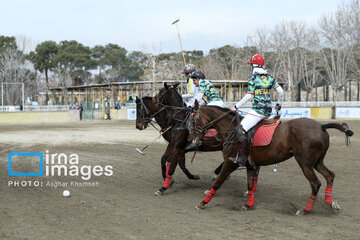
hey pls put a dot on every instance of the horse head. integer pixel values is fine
(142, 114)
(169, 96)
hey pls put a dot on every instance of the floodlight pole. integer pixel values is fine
(177, 29)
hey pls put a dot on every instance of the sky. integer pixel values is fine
(146, 25)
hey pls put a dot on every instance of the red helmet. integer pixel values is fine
(257, 59)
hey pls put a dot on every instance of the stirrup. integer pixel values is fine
(192, 146)
(239, 161)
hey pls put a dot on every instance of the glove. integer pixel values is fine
(277, 107)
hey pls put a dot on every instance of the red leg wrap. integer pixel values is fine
(251, 199)
(310, 204)
(167, 181)
(328, 195)
(255, 184)
(209, 196)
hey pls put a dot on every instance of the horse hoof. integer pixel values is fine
(201, 206)
(245, 207)
(301, 212)
(196, 177)
(246, 194)
(159, 193)
(335, 205)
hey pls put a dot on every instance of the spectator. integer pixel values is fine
(107, 111)
(81, 111)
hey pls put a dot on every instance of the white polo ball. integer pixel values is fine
(66, 193)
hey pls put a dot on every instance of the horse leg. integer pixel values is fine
(315, 186)
(163, 165)
(329, 176)
(186, 171)
(253, 176)
(226, 170)
(170, 169)
(218, 169)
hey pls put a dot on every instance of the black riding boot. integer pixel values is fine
(243, 150)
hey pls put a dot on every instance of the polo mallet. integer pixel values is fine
(175, 22)
(275, 169)
(141, 151)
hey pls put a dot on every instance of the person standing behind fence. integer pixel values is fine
(81, 111)
(107, 111)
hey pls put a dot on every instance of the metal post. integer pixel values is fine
(23, 96)
(2, 95)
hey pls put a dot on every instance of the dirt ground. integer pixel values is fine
(123, 206)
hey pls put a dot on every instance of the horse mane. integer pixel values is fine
(147, 98)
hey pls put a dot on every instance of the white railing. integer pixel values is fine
(39, 108)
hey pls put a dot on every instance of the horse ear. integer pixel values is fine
(176, 84)
(165, 85)
(137, 100)
(196, 105)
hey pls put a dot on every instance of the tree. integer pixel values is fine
(336, 32)
(14, 68)
(116, 59)
(74, 57)
(7, 42)
(98, 54)
(43, 60)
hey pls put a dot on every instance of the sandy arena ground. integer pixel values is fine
(123, 206)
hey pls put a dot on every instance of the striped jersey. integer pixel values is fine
(210, 92)
(260, 86)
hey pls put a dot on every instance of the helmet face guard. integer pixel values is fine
(257, 59)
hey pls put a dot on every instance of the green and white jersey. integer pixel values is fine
(210, 92)
(260, 86)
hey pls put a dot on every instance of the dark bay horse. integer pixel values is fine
(165, 115)
(305, 139)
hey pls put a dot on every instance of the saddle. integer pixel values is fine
(261, 134)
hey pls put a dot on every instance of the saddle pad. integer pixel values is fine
(264, 134)
(211, 132)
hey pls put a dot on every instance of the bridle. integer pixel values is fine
(144, 109)
(170, 109)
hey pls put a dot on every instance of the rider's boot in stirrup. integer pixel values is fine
(195, 144)
(243, 150)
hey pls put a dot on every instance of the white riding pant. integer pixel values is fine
(217, 103)
(251, 119)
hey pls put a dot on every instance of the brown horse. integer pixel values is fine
(305, 139)
(147, 109)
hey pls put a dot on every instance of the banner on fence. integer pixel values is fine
(285, 113)
(131, 114)
(347, 112)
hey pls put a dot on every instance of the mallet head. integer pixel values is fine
(140, 151)
(176, 21)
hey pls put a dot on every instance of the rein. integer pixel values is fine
(204, 128)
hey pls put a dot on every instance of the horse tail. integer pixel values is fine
(341, 127)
